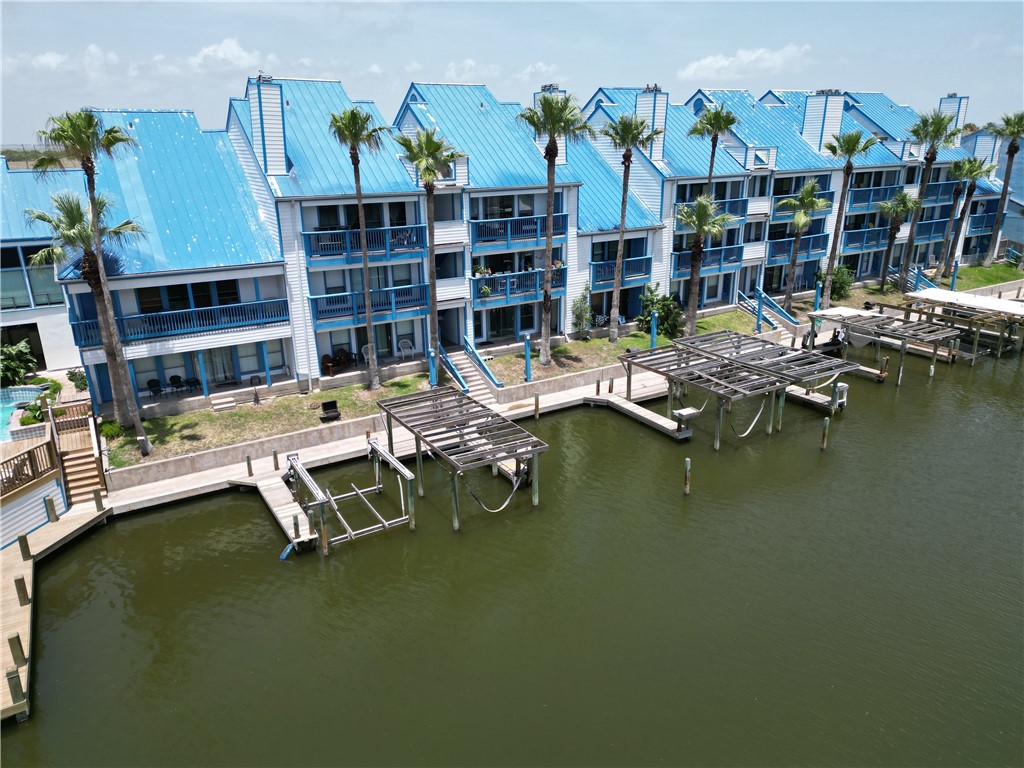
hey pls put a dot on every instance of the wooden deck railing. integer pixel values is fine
(21, 469)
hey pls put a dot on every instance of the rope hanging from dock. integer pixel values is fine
(515, 487)
(754, 422)
(826, 384)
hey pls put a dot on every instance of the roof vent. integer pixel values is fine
(262, 78)
(827, 92)
(548, 87)
(652, 88)
(951, 95)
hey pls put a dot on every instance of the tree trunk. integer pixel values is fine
(908, 250)
(696, 258)
(787, 302)
(946, 256)
(894, 230)
(367, 292)
(990, 255)
(948, 265)
(711, 167)
(826, 292)
(613, 331)
(127, 414)
(432, 321)
(550, 154)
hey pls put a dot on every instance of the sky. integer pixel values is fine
(196, 55)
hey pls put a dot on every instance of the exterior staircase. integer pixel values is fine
(479, 389)
(82, 474)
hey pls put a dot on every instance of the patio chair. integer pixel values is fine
(326, 365)
(366, 353)
(330, 411)
(177, 382)
(405, 348)
(155, 390)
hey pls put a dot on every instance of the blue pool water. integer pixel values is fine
(9, 396)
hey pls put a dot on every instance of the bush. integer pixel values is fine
(77, 378)
(111, 430)
(16, 361)
(842, 282)
(670, 314)
(582, 314)
(52, 386)
(27, 420)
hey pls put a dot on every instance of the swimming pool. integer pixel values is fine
(9, 398)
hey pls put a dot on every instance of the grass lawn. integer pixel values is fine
(196, 431)
(978, 277)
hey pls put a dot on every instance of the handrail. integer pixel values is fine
(26, 466)
(474, 357)
(449, 366)
(774, 306)
(516, 229)
(749, 305)
(97, 454)
(347, 242)
(353, 303)
(913, 277)
(632, 268)
(785, 214)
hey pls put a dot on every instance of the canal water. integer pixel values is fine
(861, 606)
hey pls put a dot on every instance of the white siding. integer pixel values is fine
(754, 253)
(306, 363)
(576, 274)
(452, 289)
(256, 179)
(54, 333)
(28, 512)
(661, 246)
(273, 128)
(758, 205)
(644, 181)
(450, 232)
(409, 125)
(652, 106)
(823, 116)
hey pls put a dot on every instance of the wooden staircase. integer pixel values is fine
(82, 475)
(479, 389)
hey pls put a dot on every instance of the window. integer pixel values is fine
(334, 281)
(753, 232)
(911, 175)
(499, 207)
(327, 217)
(374, 213)
(405, 330)
(25, 286)
(526, 318)
(450, 265)
(202, 295)
(177, 297)
(784, 186)
(396, 215)
(45, 290)
(150, 300)
(712, 287)
(401, 274)
(227, 292)
(760, 186)
(448, 207)
(12, 280)
(275, 353)
(248, 358)
(824, 180)
(145, 369)
(525, 205)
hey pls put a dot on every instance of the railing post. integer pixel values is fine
(654, 329)
(526, 344)
(433, 367)
(760, 310)
(817, 295)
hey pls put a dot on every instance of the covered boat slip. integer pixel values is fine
(732, 366)
(464, 434)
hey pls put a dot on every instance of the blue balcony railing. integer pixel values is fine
(386, 304)
(736, 207)
(939, 192)
(930, 231)
(868, 198)
(811, 247)
(159, 324)
(515, 287)
(520, 232)
(860, 240)
(726, 258)
(382, 244)
(981, 223)
(785, 214)
(635, 271)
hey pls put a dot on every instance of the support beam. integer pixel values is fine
(419, 467)
(455, 500)
(719, 412)
(535, 478)
(782, 404)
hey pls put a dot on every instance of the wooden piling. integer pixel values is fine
(277, 464)
(412, 503)
(22, 589)
(536, 407)
(597, 386)
(51, 510)
(824, 435)
(295, 525)
(26, 552)
(14, 684)
(419, 467)
(325, 542)
(611, 385)
(903, 355)
(17, 649)
(248, 464)
(391, 437)
(97, 499)
(770, 425)
(455, 500)
(833, 402)
(686, 477)
(629, 381)
(974, 347)
(535, 478)
(782, 403)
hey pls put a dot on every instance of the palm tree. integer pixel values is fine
(896, 211)
(932, 130)
(1011, 128)
(804, 204)
(555, 116)
(79, 137)
(74, 232)
(432, 157)
(970, 170)
(354, 129)
(844, 147)
(626, 132)
(956, 171)
(708, 223)
(713, 122)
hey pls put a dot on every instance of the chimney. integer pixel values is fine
(954, 105)
(267, 113)
(823, 117)
(551, 89)
(652, 105)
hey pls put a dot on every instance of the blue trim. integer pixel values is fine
(202, 373)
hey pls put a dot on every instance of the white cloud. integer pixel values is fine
(49, 60)
(468, 70)
(747, 63)
(538, 72)
(305, 62)
(227, 51)
(413, 66)
(374, 69)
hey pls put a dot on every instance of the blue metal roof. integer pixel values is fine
(689, 156)
(240, 109)
(894, 119)
(501, 150)
(600, 198)
(319, 165)
(22, 190)
(186, 189)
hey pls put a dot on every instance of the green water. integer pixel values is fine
(857, 607)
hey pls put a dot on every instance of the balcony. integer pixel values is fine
(727, 258)
(787, 215)
(981, 224)
(636, 271)
(868, 198)
(736, 207)
(512, 288)
(180, 322)
(939, 192)
(860, 240)
(812, 247)
(345, 247)
(520, 232)
(930, 231)
(340, 310)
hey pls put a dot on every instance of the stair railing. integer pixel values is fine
(747, 304)
(771, 304)
(449, 366)
(474, 357)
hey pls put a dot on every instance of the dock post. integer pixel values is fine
(325, 542)
(455, 500)
(419, 467)
(834, 400)
(248, 464)
(686, 477)
(391, 439)
(974, 349)
(26, 553)
(719, 410)
(771, 414)
(22, 590)
(782, 402)
(536, 406)
(654, 328)
(611, 385)
(535, 478)
(97, 499)
(17, 649)
(494, 469)
(999, 342)
(878, 351)
(376, 472)
(629, 381)
(903, 354)
(51, 510)
(14, 684)
(597, 385)
(668, 401)
(935, 357)
(277, 464)
(824, 435)
(412, 504)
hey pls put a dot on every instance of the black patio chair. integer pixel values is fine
(155, 390)
(330, 411)
(177, 382)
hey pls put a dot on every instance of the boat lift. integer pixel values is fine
(317, 509)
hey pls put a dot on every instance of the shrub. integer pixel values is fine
(77, 378)
(16, 361)
(670, 314)
(52, 386)
(582, 314)
(110, 430)
(842, 282)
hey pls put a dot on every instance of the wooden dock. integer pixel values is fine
(18, 598)
(673, 429)
(813, 399)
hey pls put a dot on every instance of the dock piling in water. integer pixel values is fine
(686, 480)
(22, 589)
(824, 435)
(17, 649)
